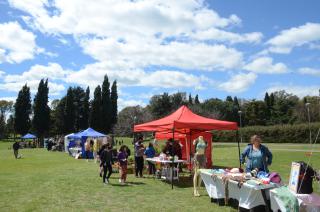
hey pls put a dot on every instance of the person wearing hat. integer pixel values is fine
(200, 161)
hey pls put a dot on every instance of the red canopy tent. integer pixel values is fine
(184, 122)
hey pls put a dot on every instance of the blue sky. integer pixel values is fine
(212, 48)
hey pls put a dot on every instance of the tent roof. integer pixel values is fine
(183, 120)
(29, 136)
(72, 136)
(88, 133)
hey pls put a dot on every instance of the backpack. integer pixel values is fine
(275, 177)
(305, 178)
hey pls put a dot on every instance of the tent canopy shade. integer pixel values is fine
(87, 133)
(183, 120)
(29, 136)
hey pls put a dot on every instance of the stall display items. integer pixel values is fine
(250, 189)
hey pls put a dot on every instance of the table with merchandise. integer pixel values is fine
(231, 184)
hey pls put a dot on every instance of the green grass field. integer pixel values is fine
(53, 181)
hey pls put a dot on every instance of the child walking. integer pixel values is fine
(122, 158)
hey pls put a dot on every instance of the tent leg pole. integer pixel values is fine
(237, 137)
(190, 146)
(172, 165)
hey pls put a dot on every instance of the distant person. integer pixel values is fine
(258, 156)
(95, 150)
(138, 153)
(123, 163)
(16, 147)
(150, 152)
(106, 161)
(99, 155)
(87, 148)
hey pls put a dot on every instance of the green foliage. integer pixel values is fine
(41, 110)
(298, 133)
(106, 106)
(114, 104)
(96, 110)
(69, 112)
(22, 109)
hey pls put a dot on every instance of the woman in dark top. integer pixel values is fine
(123, 162)
(106, 161)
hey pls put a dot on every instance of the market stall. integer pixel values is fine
(28, 137)
(185, 122)
(84, 135)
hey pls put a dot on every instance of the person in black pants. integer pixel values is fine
(139, 152)
(106, 162)
(16, 147)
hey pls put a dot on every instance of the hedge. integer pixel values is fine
(298, 133)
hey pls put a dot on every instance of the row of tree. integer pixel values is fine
(276, 108)
(73, 112)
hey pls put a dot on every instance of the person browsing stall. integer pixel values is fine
(150, 152)
(258, 156)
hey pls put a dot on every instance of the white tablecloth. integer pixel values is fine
(307, 202)
(157, 160)
(74, 150)
(249, 196)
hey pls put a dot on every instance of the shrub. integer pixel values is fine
(298, 133)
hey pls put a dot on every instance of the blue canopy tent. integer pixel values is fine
(70, 141)
(29, 136)
(83, 135)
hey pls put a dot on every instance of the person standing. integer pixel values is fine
(87, 149)
(95, 150)
(258, 156)
(123, 163)
(106, 161)
(139, 162)
(16, 147)
(150, 153)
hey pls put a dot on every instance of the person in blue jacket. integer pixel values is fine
(150, 153)
(258, 156)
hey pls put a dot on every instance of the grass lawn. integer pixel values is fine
(53, 181)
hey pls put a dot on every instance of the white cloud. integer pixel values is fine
(265, 65)
(103, 17)
(122, 103)
(300, 91)
(224, 36)
(2, 73)
(141, 53)
(309, 71)
(53, 71)
(139, 31)
(8, 98)
(93, 74)
(16, 44)
(294, 37)
(238, 83)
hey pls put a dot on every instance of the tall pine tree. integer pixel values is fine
(22, 108)
(114, 104)
(41, 110)
(196, 100)
(190, 100)
(69, 112)
(106, 106)
(96, 110)
(86, 109)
